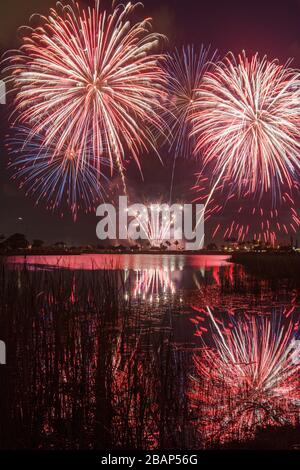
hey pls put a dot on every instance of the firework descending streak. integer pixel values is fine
(246, 122)
(184, 73)
(87, 83)
(248, 378)
(242, 217)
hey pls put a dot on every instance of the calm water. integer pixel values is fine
(146, 351)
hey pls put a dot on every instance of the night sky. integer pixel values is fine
(269, 27)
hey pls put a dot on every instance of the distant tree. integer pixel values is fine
(37, 243)
(17, 241)
(119, 248)
(212, 247)
(136, 247)
(60, 245)
(155, 248)
(2, 236)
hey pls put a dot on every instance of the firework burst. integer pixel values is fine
(64, 177)
(246, 122)
(184, 72)
(89, 73)
(248, 379)
(157, 223)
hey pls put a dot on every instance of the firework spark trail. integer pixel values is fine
(248, 379)
(53, 180)
(245, 218)
(184, 70)
(184, 73)
(246, 122)
(90, 72)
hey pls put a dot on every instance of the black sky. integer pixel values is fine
(269, 27)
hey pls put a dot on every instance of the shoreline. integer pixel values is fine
(238, 257)
(112, 252)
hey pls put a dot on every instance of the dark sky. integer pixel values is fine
(269, 27)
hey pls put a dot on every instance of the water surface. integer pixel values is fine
(152, 351)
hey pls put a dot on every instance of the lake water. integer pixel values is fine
(123, 261)
(146, 351)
